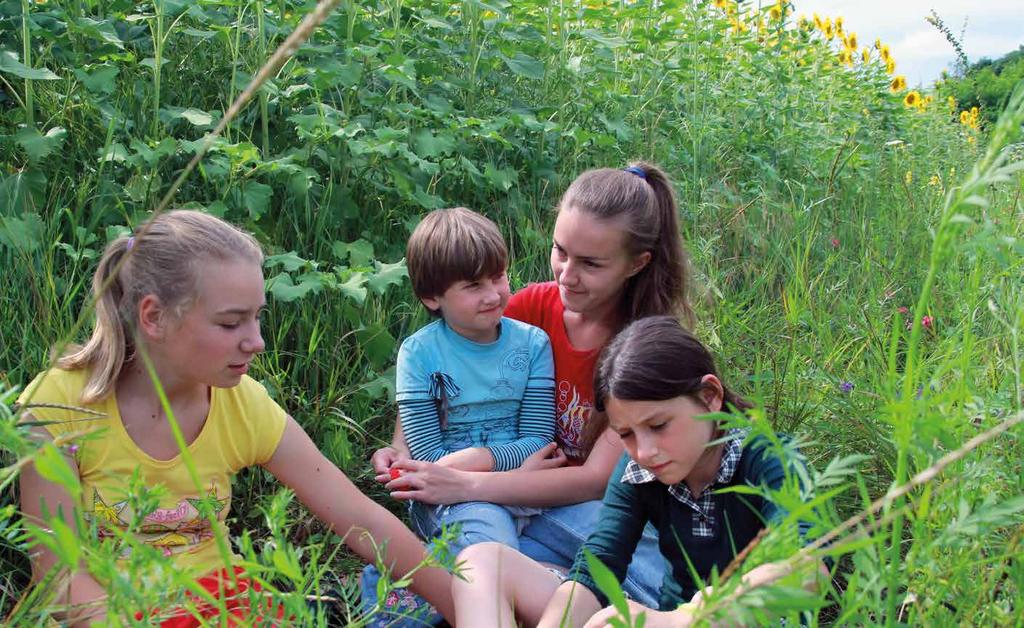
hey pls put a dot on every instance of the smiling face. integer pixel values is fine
(591, 262)
(473, 308)
(215, 339)
(666, 437)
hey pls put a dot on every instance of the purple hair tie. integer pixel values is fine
(131, 243)
(637, 170)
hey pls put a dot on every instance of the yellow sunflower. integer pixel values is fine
(965, 118)
(951, 103)
(830, 30)
(912, 99)
(890, 65)
(775, 12)
(818, 24)
(865, 55)
(884, 52)
(839, 25)
(851, 41)
(898, 84)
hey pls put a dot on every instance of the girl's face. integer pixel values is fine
(216, 338)
(590, 261)
(665, 437)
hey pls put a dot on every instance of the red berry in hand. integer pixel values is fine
(395, 473)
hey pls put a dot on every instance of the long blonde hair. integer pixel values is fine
(163, 260)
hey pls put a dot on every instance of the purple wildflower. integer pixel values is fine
(846, 387)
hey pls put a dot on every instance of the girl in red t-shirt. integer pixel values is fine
(616, 256)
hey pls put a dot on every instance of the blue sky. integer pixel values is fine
(994, 27)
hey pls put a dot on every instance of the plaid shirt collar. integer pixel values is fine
(635, 474)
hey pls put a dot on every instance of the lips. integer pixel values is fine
(241, 369)
(658, 468)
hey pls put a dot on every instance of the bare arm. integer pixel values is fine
(84, 596)
(332, 497)
(433, 484)
(471, 459)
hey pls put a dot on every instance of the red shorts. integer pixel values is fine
(236, 602)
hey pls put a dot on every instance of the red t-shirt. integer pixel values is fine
(540, 305)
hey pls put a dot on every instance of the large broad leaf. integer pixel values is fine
(256, 197)
(101, 80)
(388, 275)
(22, 192)
(430, 144)
(23, 234)
(355, 287)
(9, 63)
(197, 117)
(358, 253)
(377, 343)
(99, 30)
(283, 288)
(289, 261)
(36, 145)
(525, 66)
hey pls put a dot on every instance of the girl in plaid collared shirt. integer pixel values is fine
(653, 382)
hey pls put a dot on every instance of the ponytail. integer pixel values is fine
(104, 354)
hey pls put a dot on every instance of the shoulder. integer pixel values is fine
(533, 301)
(425, 338)
(536, 293)
(54, 398)
(55, 385)
(517, 329)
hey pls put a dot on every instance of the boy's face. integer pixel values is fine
(473, 308)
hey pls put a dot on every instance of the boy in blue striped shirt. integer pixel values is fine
(475, 390)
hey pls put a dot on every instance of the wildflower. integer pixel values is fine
(884, 52)
(818, 24)
(909, 177)
(890, 65)
(846, 387)
(965, 118)
(974, 112)
(878, 44)
(911, 99)
(902, 309)
(775, 12)
(926, 322)
(720, 3)
(835, 243)
(851, 41)
(845, 57)
(935, 181)
(865, 55)
(72, 449)
(899, 83)
(839, 25)
(829, 31)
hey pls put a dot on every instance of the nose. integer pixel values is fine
(253, 342)
(646, 449)
(568, 275)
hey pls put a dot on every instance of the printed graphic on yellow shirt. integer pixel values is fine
(181, 528)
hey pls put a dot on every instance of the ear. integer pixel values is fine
(431, 303)
(152, 320)
(640, 262)
(712, 393)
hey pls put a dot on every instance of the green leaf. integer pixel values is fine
(283, 288)
(21, 234)
(609, 41)
(355, 287)
(388, 275)
(289, 261)
(358, 253)
(525, 66)
(256, 197)
(68, 546)
(36, 145)
(197, 117)
(500, 178)
(99, 30)
(286, 563)
(607, 583)
(377, 343)
(51, 465)
(102, 80)
(9, 63)
(429, 144)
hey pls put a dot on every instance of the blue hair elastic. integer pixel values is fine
(131, 242)
(637, 170)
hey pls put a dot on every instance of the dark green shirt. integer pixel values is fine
(628, 507)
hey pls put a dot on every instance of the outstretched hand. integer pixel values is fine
(428, 482)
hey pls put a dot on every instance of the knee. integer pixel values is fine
(479, 564)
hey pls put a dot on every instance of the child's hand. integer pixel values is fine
(547, 457)
(679, 618)
(382, 460)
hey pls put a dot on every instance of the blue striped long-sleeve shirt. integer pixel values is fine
(454, 393)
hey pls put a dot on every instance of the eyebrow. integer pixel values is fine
(240, 310)
(584, 257)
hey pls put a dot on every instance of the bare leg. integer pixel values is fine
(500, 584)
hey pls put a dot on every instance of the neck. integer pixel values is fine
(135, 382)
(705, 471)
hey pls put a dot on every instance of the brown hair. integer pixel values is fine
(162, 259)
(641, 198)
(451, 245)
(653, 359)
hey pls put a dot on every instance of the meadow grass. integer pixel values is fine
(857, 260)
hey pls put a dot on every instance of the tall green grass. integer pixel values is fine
(815, 205)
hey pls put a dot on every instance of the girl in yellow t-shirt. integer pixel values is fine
(186, 291)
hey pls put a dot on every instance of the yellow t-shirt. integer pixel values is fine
(243, 428)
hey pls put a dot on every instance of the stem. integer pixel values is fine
(158, 53)
(264, 121)
(26, 50)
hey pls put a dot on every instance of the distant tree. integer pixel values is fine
(986, 84)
